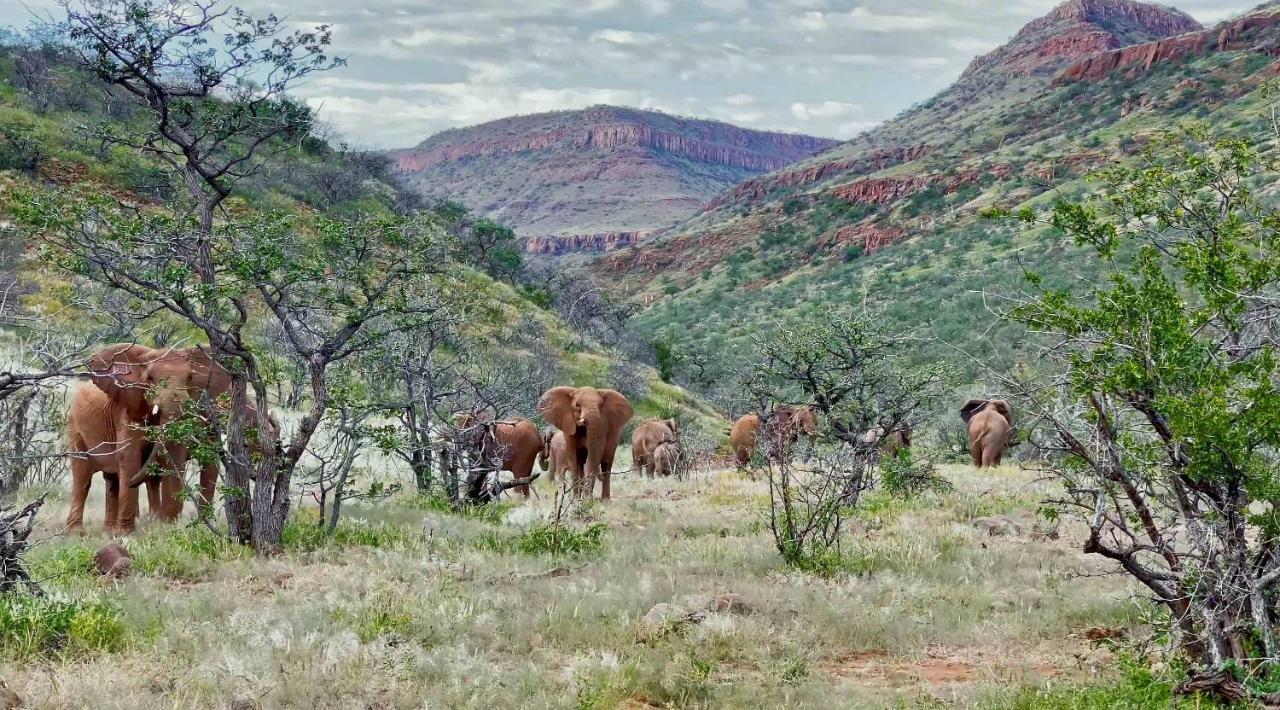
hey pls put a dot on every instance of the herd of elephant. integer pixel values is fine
(136, 389)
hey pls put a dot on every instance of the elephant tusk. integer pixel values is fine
(141, 476)
(155, 409)
(520, 481)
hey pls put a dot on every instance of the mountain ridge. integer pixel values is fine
(574, 176)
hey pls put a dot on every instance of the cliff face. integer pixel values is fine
(1077, 29)
(1244, 33)
(596, 179)
(592, 243)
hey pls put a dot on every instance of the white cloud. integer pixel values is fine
(625, 37)
(825, 109)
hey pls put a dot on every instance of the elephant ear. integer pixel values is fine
(1005, 410)
(556, 406)
(970, 408)
(118, 371)
(206, 373)
(617, 410)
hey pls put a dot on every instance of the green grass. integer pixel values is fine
(56, 627)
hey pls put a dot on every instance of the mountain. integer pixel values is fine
(593, 179)
(891, 218)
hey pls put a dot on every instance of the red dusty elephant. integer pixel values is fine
(645, 441)
(519, 440)
(791, 422)
(144, 387)
(591, 420)
(990, 423)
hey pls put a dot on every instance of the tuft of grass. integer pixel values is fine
(306, 535)
(187, 553)
(492, 513)
(64, 566)
(548, 539)
(1138, 688)
(52, 627)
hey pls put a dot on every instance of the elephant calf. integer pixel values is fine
(647, 439)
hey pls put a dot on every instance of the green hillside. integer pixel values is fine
(50, 113)
(893, 218)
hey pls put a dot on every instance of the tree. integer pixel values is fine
(849, 367)
(1160, 388)
(213, 79)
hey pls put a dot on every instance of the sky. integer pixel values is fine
(824, 67)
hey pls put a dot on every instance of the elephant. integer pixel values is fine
(646, 439)
(149, 387)
(990, 423)
(591, 420)
(553, 456)
(95, 444)
(519, 440)
(790, 422)
(666, 458)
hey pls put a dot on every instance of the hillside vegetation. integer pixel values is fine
(893, 218)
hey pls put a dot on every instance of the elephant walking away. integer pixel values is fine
(990, 423)
(789, 423)
(645, 441)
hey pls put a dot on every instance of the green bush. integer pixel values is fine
(62, 565)
(552, 539)
(33, 627)
(188, 553)
(492, 513)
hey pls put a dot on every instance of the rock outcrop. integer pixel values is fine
(809, 174)
(1078, 29)
(594, 243)
(1239, 34)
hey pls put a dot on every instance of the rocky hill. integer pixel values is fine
(593, 179)
(891, 218)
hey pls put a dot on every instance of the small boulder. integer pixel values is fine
(997, 526)
(113, 561)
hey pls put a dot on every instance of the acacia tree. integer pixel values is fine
(1163, 390)
(213, 79)
(849, 367)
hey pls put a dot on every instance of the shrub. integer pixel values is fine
(553, 539)
(49, 626)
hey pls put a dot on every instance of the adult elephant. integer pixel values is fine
(645, 441)
(990, 423)
(554, 456)
(519, 441)
(591, 420)
(93, 445)
(789, 422)
(148, 387)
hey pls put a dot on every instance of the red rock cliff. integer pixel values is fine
(1077, 29)
(596, 243)
(1139, 58)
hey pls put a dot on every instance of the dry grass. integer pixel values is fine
(439, 610)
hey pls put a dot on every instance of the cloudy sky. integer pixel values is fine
(825, 67)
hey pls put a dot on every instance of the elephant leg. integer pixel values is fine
(111, 517)
(81, 479)
(170, 496)
(604, 485)
(153, 496)
(975, 453)
(208, 486)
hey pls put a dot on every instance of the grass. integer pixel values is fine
(409, 605)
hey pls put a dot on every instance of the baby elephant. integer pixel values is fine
(666, 459)
(647, 439)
